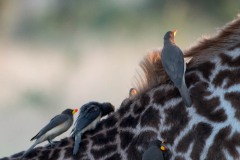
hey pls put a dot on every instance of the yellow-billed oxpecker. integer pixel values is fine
(88, 118)
(174, 65)
(154, 151)
(133, 92)
(57, 125)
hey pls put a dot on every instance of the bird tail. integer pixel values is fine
(77, 143)
(29, 150)
(185, 94)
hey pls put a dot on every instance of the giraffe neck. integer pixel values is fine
(207, 130)
(212, 125)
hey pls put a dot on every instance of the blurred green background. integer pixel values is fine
(64, 53)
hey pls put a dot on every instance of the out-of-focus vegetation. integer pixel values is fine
(63, 53)
(65, 21)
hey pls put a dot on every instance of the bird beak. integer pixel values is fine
(174, 32)
(74, 111)
(163, 148)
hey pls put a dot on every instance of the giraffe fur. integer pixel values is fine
(209, 130)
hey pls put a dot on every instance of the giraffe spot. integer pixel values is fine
(56, 154)
(116, 156)
(45, 154)
(201, 132)
(150, 118)
(64, 142)
(179, 158)
(106, 150)
(191, 79)
(124, 109)
(200, 89)
(113, 132)
(144, 100)
(83, 144)
(232, 143)
(110, 121)
(210, 111)
(144, 138)
(34, 153)
(138, 109)
(161, 96)
(129, 121)
(185, 142)
(139, 141)
(234, 47)
(68, 152)
(226, 59)
(220, 77)
(101, 138)
(133, 153)
(232, 77)
(205, 68)
(207, 107)
(125, 138)
(197, 136)
(234, 99)
(178, 118)
(215, 151)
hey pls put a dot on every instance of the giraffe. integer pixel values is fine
(209, 130)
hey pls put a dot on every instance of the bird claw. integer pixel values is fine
(52, 144)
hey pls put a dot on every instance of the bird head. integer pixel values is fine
(169, 36)
(74, 111)
(133, 92)
(70, 111)
(163, 148)
(106, 108)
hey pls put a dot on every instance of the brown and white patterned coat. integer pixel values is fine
(209, 130)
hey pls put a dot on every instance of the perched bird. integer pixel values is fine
(88, 118)
(154, 151)
(173, 63)
(133, 92)
(57, 125)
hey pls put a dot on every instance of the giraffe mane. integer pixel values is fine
(203, 51)
(208, 47)
(132, 112)
(153, 72)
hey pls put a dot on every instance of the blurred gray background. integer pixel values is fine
(64, 53)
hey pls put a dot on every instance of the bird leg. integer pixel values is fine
(52, 143)
(170, 82)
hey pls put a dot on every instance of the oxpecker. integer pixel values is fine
(88, 118)
(133, 92)
(154, 151)
(174, 65)
(57, 125)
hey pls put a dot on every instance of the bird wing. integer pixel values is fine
(179, 62)
(174, 63)
(55, 121)
(87, 115)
